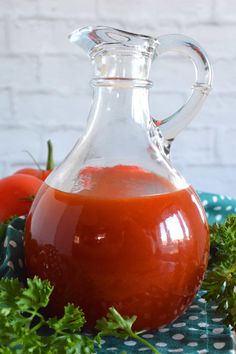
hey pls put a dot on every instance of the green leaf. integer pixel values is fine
(73, 320)
(10, 291)
(72, 343)
(7, 350)
(114, 324)
(220, 279)
(19, 332)
(5, 330)
(36, 295)
(223, 241)
(31, 343)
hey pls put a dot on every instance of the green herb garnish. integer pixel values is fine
(220, 279)
(121, 327)
(21, 321)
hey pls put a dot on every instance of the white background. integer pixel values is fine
(44, 80)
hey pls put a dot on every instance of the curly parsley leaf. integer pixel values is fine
(21, 320)
(36, 295)
(10, 291)
(21, 323)
(220, 279)
(73, 318)
(223, 242)
(121, 327)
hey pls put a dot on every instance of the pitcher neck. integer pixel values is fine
(122, 63)
(116, 99)
(116, 53)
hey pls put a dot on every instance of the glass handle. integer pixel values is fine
(186, 46)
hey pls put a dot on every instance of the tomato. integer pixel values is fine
(41, 174)
(16, 194)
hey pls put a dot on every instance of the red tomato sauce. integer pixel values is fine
(117, 242)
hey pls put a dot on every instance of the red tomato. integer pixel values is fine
(41, 174)
(16, 194)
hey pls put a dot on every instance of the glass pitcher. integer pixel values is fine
(115, 224)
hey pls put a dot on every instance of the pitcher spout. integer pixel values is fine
(116, 53)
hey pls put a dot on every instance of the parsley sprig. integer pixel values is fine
(21, 320)
(220, 280)
(121, 327)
